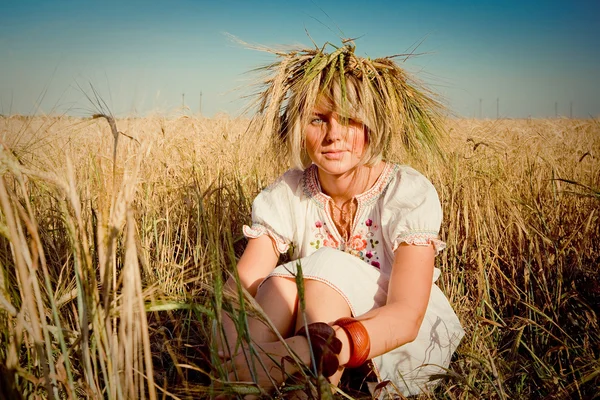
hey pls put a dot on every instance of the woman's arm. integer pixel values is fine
(398, 322)
(259, 258)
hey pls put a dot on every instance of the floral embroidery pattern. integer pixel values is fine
(362, 244)
(323, 237)
(357, 243)
(331, 242)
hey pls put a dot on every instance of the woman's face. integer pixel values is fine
(335, 145)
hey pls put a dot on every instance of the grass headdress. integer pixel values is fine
(377, 92)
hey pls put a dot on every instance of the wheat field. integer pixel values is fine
(113, 251)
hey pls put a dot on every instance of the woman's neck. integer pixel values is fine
(344, 187)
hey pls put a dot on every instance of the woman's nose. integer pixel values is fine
(334, 130)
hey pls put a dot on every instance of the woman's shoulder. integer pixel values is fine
(406, 184)
(287, 182)
(406, 172)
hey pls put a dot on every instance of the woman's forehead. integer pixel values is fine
(323, 105)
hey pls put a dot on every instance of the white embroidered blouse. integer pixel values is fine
(402, 206)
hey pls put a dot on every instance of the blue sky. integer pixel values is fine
(141, 56)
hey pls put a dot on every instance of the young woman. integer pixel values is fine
(363, 230)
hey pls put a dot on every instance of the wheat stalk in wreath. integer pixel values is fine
(384, 96)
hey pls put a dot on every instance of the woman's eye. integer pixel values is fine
(317, 121)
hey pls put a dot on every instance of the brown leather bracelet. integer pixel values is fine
(360, 344)
(325, 347)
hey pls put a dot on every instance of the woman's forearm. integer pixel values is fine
(390, 327)
(398, 322)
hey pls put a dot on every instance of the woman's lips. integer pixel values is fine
(333, 154)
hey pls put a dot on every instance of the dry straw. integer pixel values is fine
(377, 92)
(521, 223)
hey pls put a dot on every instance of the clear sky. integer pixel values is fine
(532, 58)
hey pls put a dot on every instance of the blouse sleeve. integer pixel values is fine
(272, 212)
(412, 212)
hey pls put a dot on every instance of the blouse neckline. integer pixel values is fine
(312, 186)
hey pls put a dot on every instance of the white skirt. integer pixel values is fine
(408, 368)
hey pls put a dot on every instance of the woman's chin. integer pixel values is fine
(336, 168)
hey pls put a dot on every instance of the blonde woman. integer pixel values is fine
(363, 230)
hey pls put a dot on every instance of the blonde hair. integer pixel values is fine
(377, 93)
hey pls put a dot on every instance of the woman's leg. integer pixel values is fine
(278, 298)
(323, 304)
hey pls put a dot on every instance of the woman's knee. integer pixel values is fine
(278, 298)
(323, 302)
(277, 289)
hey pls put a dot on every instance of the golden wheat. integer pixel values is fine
(111, 262)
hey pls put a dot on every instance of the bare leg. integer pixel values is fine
(323, 304)
(278, 298)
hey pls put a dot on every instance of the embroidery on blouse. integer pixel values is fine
(362, 244)
(380, 187)
(420, 238)
(323, 237)
(312, 188)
